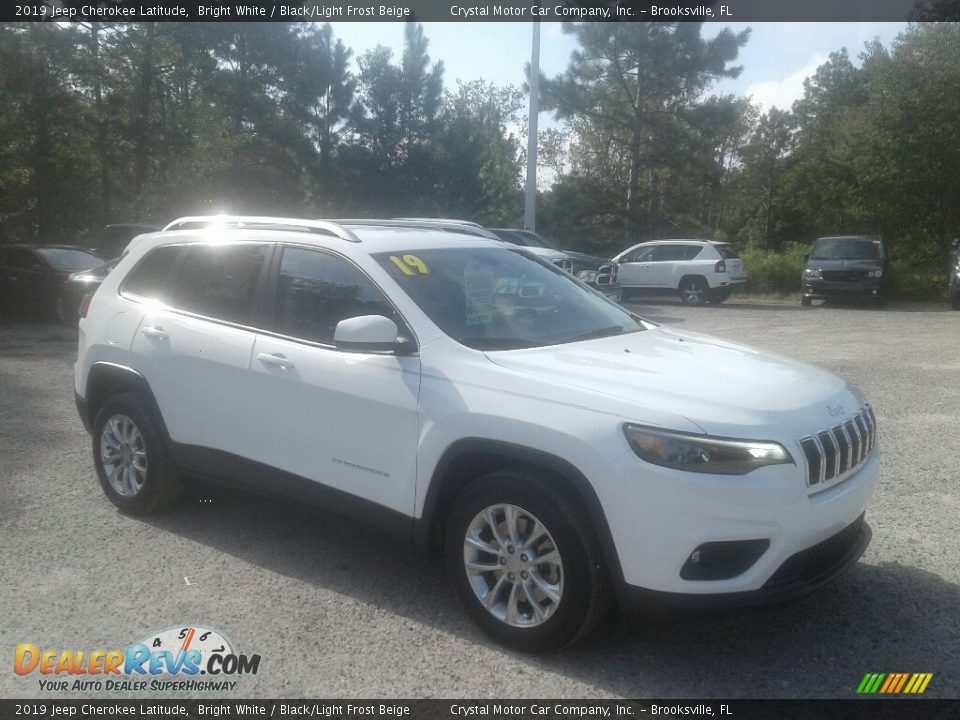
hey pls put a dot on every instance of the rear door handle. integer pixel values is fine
(155, 332)
(275, 360)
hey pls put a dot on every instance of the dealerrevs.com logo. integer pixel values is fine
(170, 660)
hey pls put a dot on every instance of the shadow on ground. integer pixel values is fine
(886, 618)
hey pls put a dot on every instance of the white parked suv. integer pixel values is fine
(699, 270)
(561, 452)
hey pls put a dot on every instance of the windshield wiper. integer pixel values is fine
(599, 333)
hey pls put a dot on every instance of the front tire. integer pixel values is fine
(524, 562)
(131, 458)
(694, 291)
(806, 302)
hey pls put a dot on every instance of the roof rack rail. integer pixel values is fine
(457, 226)
(256, 222)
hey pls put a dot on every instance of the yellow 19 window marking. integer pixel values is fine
(410, 265)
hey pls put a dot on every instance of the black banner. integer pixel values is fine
(481, 10)
(907, 709)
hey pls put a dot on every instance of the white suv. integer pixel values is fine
(559, 450)
(699, 270)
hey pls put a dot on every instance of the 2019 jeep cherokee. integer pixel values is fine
(560, 451)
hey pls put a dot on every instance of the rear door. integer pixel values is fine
(346, 420)
(194, 350)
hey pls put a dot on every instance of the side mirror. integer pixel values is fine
(368, 333)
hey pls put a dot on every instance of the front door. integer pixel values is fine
(345, 420)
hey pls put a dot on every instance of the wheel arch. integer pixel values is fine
(692, 276)
(468, 459)
(106, 379)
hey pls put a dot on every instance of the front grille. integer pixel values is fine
(843, 275)
(565, 264)
(839, 450)
(815, 562)
(606, 275)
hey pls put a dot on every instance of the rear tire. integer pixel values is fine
(806, 302)
(131, 457)
(694, 291)
(525, 563)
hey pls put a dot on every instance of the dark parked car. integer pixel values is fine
(114, 238)
(32, 276)
(76, 286)
(599, 273)
(846, 266)
(955, 275)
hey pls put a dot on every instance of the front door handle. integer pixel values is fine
(157, 333)
(275, 360)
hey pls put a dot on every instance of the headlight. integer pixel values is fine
(875, 273)
(702, 453)
(812, 273)
(588, 276)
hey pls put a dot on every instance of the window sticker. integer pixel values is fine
(410, 265)
(478, 286)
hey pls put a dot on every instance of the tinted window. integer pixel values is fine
(149, 278)
(316, 290)
(671, 252)
(220, 281)
(23, 259)
(846, 249)
(66, 260)
(727, 252)
(691, 251)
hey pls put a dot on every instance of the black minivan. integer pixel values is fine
(845, 266)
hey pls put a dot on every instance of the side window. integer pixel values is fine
(150, 276)
(316, 290)
(23, 260)
(691, 251)
(640, 255)
(672, 252)
(220, 281)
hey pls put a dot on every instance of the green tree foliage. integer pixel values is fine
(639, 86)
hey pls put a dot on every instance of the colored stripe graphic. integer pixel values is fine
(894, 683)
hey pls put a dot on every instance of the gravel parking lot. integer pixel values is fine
(337, 611)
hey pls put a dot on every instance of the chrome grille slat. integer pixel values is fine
(858, 455)
(838, 451)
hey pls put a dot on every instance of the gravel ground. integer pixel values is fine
(335, 611)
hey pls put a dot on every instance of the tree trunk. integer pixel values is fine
(42, 141)
(102, 143)
(142, 131)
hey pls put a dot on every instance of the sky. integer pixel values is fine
(775, 60)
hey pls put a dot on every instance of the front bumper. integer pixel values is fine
(801, 574)
(658, 517)
(823, 289)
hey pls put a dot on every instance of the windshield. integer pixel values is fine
(501, 299)
(846, 249)
(66, 260)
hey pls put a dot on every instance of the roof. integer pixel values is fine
(378, 236)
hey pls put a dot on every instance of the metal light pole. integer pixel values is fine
(530, 198)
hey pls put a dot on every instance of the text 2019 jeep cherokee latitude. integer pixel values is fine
(559, 450)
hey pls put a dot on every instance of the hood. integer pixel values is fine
(724, 388)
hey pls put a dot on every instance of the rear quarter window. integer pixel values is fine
(151, 276)
(727, 252)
